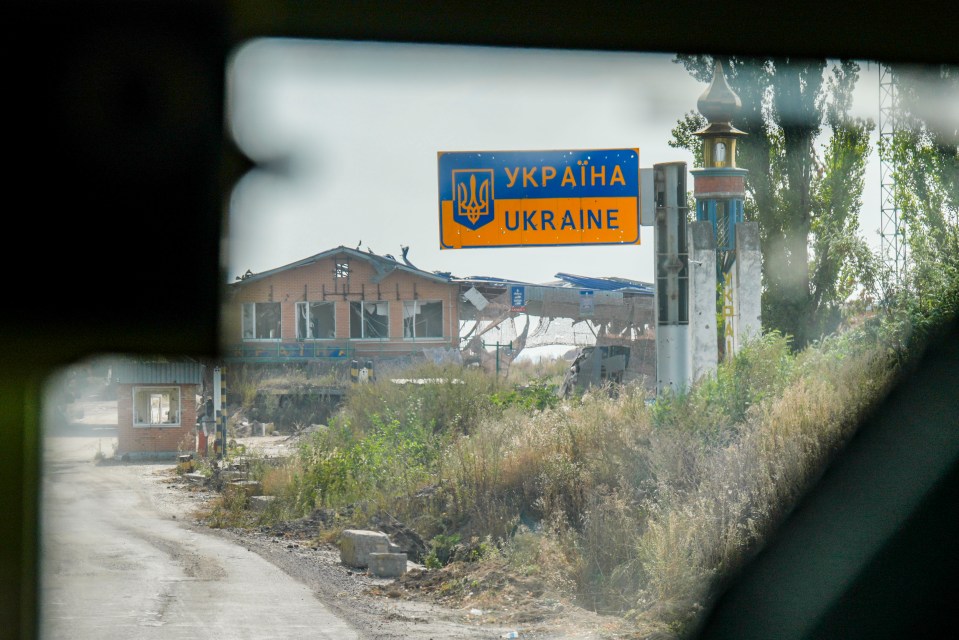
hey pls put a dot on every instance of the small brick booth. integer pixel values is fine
(157, 407)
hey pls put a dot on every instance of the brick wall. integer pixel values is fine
(719, 186)
(156, 440)
(311, 282)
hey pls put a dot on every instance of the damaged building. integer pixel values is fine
(349, 305)
(579, 312)
(341, 305)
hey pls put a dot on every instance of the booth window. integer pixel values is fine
(156, 406)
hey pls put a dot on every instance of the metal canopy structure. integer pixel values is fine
(575, 311)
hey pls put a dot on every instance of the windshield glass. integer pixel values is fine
(455, 380)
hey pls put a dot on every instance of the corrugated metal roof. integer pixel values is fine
(569, 281)
(570, 295)
(155, 372)
(489, 280)
(608, 284)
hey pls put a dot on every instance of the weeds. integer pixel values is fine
(99, 456)
(535, 396)
(631, 506)
(230, 511)
(441, 550)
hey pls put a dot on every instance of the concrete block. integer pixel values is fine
(261, 503)
(748, 283)
(703, 351)
(356, 545)
(249, 487)
(387, 565)
(195, 478)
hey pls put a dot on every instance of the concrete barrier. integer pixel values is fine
(261, 503)
(249, 487)
(196, 478)
(387, 565)
(356, 545)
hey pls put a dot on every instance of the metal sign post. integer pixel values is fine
(508, 346)
(219, 429)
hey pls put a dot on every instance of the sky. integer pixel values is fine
(347, 136)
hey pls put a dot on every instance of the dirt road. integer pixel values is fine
(117, 564)
(123, 556)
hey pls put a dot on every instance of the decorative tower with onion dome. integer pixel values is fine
(720, 191)
(692, 256)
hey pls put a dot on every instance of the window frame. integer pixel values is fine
(139, 424)
(411, 320)
(243, 322)
(362, 305)
(308, 304)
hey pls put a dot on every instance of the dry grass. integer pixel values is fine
(701, 530)
(627, 507)
(276, 481)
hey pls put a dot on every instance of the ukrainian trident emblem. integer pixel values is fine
(473, 197)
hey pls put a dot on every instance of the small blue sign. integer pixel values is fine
(587, 303)
(517, 296)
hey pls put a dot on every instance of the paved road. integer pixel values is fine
(115, 567)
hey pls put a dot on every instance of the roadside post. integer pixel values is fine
(508, 346)
(218, 411)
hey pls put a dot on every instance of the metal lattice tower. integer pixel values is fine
(892, 231)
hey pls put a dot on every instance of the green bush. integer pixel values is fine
(638, 506)
(338, 465)
(714, 407)
(535, 396)
(441, 550)
(451, 399)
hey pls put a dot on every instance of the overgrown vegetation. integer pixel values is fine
(806, 201)
(626, 504)
(640, 506)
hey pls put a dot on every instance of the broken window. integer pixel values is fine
(156, 406)
(315, 320)
(422, 319)
(342, 269)
(370, 320)
(261, 321)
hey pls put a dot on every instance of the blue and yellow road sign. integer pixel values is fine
(538, 198)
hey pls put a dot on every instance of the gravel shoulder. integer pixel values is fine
(377, 608)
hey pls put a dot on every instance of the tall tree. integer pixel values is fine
(925, 155)
(806, 208)
(841, 257)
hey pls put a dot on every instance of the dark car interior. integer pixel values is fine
(118, 132)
